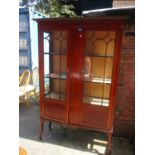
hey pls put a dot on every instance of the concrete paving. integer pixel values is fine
(63, 140)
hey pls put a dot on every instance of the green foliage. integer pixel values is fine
(56, 8)
(53, 8)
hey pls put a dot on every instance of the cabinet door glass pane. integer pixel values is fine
(98, 66)
(55, 49)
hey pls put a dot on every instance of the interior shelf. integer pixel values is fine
(96, 100)
(94, 55)
(56, 76)
(56, 53)
(88, 78)
(57, 96)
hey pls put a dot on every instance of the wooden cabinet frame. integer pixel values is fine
(72, 110)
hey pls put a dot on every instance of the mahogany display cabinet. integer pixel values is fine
(78, 69)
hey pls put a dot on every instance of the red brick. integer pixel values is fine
(128, 58)
(125, 100)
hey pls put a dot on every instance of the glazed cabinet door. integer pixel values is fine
(93, 52)
(98, 61)
(55, 52)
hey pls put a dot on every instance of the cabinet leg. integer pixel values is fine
(41, 128)
(109, 145)
(50, 125)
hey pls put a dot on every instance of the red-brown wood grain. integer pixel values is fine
(72, 110)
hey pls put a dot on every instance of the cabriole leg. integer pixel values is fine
(109, 145)
(41, 128)
(50, 125)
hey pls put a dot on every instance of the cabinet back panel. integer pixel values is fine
(97, 90)
(58, 64)
(100, 42)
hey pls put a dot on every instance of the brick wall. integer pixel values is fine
(123, 3)
(125, 109)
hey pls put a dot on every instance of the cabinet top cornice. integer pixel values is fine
(81, 19)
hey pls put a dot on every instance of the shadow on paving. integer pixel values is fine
(75, 138)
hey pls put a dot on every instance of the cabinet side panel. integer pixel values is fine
(41, 69)
(114, 78)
